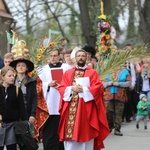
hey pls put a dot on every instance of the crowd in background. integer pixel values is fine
(124, 88)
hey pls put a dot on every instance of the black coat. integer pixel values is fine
(14, 104)
(1, 62)
(31, 97)
(139, 82)
(2, 103)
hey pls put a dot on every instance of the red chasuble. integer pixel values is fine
(41, 110)
(91, 121)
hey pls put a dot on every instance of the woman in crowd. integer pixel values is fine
(143, 81)
(14, 108)
(27, 85)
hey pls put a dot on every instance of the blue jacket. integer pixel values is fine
(1, 63)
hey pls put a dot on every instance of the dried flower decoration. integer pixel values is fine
(42, 53)
(51, 44)
(40, 50)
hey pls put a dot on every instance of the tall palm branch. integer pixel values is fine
(113, 61)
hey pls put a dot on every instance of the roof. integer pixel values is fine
(4, 10)
(5, 14)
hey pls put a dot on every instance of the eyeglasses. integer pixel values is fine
(53, 55)
(80, 56)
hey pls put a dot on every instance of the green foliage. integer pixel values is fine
(116, 60)
(1, 33)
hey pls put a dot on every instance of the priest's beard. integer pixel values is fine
(81, 64)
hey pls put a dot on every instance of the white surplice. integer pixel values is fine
(52, 96)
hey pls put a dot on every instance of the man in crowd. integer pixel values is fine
(115, 97)
(68, 61)
(49, 133)
(8, 58)
(83, 124)
(63, 43)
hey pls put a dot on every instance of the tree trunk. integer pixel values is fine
(131, 26)
(107, 7)
(86, 25)
(144, 23)
(110, 8)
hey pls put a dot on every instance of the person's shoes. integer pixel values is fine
(145, 127)
(137, 126)
(118, 133)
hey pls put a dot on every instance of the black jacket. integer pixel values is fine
(139, 83)
(31, 97)
(2, 103)
(14, 104)
(1, 62)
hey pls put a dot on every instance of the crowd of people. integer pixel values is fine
(80, 111)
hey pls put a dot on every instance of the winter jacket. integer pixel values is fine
(14, 104)
(1, 63)
(31, 97)
(2, 102)
(139, 83)
(142, 108)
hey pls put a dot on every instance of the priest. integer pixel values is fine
(83, 124)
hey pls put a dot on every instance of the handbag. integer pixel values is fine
(24, 136)
(2, 136)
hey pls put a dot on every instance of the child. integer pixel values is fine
(142, 111)
(14, 108)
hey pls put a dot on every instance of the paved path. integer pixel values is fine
(132, 139)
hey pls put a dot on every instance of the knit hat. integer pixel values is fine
(141, 96)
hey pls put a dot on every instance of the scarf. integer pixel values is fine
(21, 84)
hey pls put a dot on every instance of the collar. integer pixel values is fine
(83, 68)
(55, 65)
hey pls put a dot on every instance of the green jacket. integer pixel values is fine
(142, 108)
